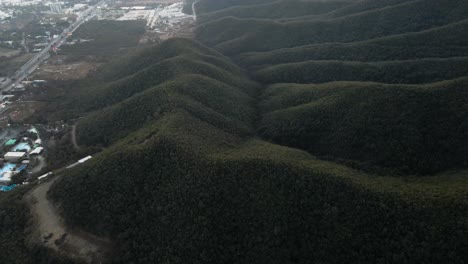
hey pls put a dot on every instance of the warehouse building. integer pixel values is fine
(14, 156)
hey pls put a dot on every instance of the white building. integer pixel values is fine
(14, 156)
(37, 151)
(5, 178)
(56, 8)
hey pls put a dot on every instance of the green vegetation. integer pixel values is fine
(400, 127)
(6, 52)
(16, 249)
(207, 6)
(364, 6)
(104, 38)
(203, 97)
(386, 42)
(152, 67)
(13, 218)
(187, 176)
(246, 35)
(441, 42)
(10, 65)
(190, 183)
(276, 9)
(415, 71)
(244, 210)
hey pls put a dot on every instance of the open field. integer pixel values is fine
(4, 52)
(10, 65)
(66, 71)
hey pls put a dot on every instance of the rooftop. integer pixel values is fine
(15, 154)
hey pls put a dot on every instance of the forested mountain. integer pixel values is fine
(287, 132)
(276, 10)
(241, 35)
(441, 42)
(195, 79)
(185, 180)
(397, 42)
(395, 126)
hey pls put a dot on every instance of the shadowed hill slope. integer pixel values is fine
(186, 178)
(201, 96)
(150, 68)
(176, 74)
(440, 42)
(414, 129)
(276, 10)
(244, 35)
(207, 6)
(413, 71)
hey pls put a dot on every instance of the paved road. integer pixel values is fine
(30, 66)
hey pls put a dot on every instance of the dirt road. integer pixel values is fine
(73, 138)
(51, 232)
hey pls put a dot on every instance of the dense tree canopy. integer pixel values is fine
(210, 143)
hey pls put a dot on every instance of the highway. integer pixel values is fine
(30, 66)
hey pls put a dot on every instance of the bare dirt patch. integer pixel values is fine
(50, 230)
(8, 52)
(57, 69)
(20, 111)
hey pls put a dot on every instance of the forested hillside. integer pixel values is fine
(287, 132)
(392, 126)
(420, 42)
(277, 9)
(15, 231)
(441, 42)
(241, 35)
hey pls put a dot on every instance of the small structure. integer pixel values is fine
(83, 160)
(5, 178)
(21, 147)
(4, 98)
(36, 151)
(6, 172)
(56, 7)
(44, 177)
(33, 130)
(14, 156)
(10, 142)
(7, 188)
(21, 168)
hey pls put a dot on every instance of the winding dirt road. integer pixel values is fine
(73, 138)
(51, 232)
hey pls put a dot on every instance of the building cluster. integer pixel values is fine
(161, 18)
(46, 19)
(10, 9)
(18, 152)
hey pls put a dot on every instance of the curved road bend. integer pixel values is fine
(50, 231)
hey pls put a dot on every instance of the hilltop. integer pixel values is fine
(285, 132)
(183, 155)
